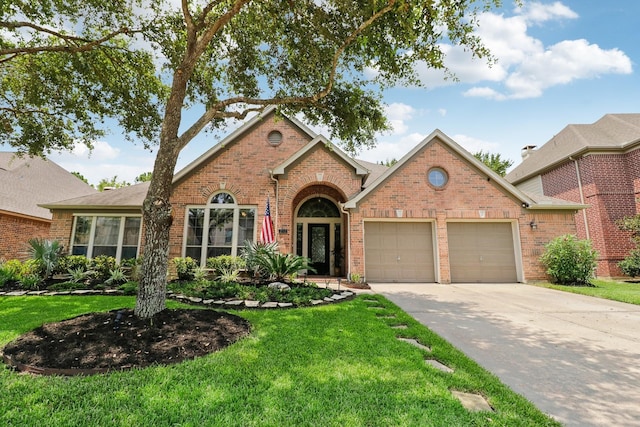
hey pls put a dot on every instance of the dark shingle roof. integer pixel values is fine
(26, 182)
(611, 132)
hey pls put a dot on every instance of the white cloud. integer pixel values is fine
(525, 67)
(473, 145)
(392, 149)
(398, 114)
(538, 12)
(105, 161)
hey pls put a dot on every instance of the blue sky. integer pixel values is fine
(559, 63)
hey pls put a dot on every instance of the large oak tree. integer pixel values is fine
(68, 67)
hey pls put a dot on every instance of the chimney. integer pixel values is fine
(527, 150)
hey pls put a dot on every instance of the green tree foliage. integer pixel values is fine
(110, 183)
(144, 64)
(144, 177)
(494, 161)
(570, 261)
(388, 162)
(631, 264)
(80, 177)
(67, 66)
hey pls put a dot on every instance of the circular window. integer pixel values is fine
(274, 137)
(438, 177)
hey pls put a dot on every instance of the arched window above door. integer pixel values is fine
(318, 207)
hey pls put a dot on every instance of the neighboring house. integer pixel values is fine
(26, 182)
(438, 215)
(594, 164)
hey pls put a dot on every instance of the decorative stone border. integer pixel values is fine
(240, 304)
(222, 303)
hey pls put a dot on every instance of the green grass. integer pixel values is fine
(628, 292)
(335, 365)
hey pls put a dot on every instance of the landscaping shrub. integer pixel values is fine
(226, 263)
(72, 262)
(251, 253)
(47, 254)
(101, 267)
(10, 273)
(570, 261)
(185, 268)
(630, 266)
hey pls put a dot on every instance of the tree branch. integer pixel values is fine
(217, 111)
(73, 44)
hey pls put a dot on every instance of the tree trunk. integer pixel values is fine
(157, 216)
(152, 288)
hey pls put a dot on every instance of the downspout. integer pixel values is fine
(584, 211)
(277, 200)
(348, 272)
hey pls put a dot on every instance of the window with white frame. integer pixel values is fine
(116, 236)
(219, 228)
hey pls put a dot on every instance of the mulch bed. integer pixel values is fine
(117, 340)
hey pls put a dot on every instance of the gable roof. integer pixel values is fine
(233, 136)
(26, 182)
(612, 132)
(280, 169)
(527, 200)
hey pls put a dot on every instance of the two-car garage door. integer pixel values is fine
(404, 252)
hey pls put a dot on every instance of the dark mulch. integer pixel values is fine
(119, 340)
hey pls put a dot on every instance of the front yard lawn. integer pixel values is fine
(333, 365)
(628, 292)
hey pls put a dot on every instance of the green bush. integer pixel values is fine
(631, 264)
(279, 266)
(226, 263)
(10, 273)
(102, 266)
(72, 262)
(570, 261)
(129, 288)
(47, 254)
(185, 268)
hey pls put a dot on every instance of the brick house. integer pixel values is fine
(594, 164)
(24, 183)
(438, 215)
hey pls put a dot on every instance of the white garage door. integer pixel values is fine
(399, 252)
(481, 252)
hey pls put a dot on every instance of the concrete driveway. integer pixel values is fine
(576, 358)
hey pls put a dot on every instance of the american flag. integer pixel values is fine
(266, 234)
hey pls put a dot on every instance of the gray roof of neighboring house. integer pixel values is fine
(613, 132)
(129, 197)
(375, 170)
(27, 182)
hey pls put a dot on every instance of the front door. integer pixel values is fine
(319, 248)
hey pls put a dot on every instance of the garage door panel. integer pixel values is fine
(399, 252)
(481, 252)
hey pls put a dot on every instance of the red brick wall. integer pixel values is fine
(468, 195)
(610, 185)
(15, 232)
(243, 170)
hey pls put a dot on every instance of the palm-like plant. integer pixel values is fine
(47, 254)
(279, 266)
(253, 251)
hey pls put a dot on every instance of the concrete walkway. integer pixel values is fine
(577, 358)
